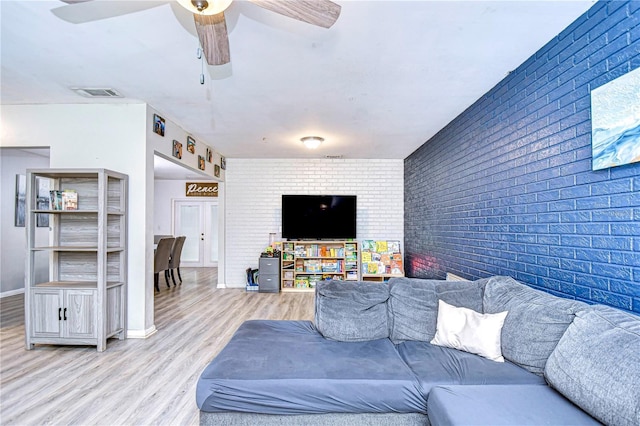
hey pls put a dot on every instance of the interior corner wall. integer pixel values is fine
(253, 196)
(13, 239)
(109, 136)
(507, 187)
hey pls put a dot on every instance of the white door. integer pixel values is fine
(198, 221)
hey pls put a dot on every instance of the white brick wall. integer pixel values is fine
(253, 196)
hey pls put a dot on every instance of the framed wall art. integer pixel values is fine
(21, 200)
(158, 124)
(209, 155)
(615, 122)
(177, 149)
(216, 170)
(200, 162)
(223, 163)
(191, 145)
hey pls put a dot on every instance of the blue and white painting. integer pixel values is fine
(615, 122)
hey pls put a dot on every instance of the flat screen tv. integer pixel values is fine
(318, 217)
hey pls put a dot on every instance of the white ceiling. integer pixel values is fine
(379, 83)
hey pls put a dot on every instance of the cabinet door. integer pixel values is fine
(46, 313)
(80, 314)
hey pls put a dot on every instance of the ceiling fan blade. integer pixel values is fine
(322, 13)
(82, 11)
(212, 32)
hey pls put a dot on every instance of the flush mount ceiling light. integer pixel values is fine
(202, 7)
(312, 142)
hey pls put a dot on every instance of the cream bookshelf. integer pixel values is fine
(304, 263)
(83, 300)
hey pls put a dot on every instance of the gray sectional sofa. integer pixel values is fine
(368, 360)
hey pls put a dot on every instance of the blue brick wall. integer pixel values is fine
(507, 187)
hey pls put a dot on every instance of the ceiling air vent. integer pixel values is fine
(97, 92)
(333, 157)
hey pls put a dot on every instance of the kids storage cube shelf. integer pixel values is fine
(304, 263)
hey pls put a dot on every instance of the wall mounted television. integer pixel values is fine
(318, 217)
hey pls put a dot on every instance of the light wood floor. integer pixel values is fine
(134, 382)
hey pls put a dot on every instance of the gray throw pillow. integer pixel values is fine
(596, 365)
(352, 311)
(535, 323)
(413, 305)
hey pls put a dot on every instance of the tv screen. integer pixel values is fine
(318, 217)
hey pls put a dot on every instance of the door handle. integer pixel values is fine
(59, 314)
(65, 314)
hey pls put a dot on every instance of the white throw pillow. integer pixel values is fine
(467, 330)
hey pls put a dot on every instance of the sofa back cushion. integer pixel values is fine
(535, 323)
(413, 305)
(596, 365)
(352, 311)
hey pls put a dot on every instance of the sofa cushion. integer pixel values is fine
(413, 305)
(436, 365)
(352, 311)
(502, 405)
(287, 367)
(535, 323)
(467, 330)
(596, 364)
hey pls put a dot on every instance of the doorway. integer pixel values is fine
(198, 221)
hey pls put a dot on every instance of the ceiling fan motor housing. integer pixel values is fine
(200, 4)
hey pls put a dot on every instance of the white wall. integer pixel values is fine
(112, 136)
(98, 136)
(165, 191)
(13, 239)
(253, 196)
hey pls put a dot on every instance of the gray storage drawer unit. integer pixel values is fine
(269, 275)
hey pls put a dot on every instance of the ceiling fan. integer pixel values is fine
(212, 27)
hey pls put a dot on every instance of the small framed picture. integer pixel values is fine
(158, 124)
(223, 163)
(177, 149)
(200, 162)
(21, 199)
(209, 155)
(191, 145)
(216, 170)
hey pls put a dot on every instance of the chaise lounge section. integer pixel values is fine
(369, 358)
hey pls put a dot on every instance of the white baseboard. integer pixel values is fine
(142, 334)
(221, 285)
(454, 277)
(11, 292)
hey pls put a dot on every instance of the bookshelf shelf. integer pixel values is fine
(304, 263)
(381, 260)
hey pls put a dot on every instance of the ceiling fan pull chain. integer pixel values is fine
(199, 55)
(201, 69)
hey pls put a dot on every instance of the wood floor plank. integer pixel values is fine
(141, 382)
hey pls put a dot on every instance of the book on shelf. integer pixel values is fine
(396, 267)
(69, 199)
(393, 246)
(56, 199)
(302, 282)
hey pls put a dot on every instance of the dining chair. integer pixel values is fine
(161, 260)
(174, 260)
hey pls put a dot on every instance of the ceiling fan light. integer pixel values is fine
(312, 142)
(210, 7)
